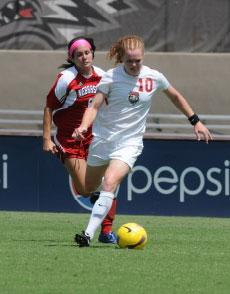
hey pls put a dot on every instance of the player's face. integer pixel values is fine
(83, 58)
(133, 60)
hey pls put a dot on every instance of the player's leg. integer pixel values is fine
(76, 167)
(106, 235)
(114, 174)
(121, 160)
(127, 154)
(73, 155)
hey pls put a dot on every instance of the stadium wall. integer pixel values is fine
(26, 77)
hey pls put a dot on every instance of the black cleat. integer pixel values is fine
(82, 239)
(94, 196)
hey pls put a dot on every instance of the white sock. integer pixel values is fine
(99, 212)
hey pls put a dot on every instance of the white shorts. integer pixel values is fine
(101, 152)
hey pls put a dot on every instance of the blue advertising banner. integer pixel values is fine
(186, 178)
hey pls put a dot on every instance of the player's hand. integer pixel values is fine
(79, 133)
(49, 146)
(201, 130)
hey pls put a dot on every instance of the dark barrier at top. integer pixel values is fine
(203, 26)
(186, 178)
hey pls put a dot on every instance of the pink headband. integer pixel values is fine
(77, 43)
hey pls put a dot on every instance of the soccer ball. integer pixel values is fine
(131, 236)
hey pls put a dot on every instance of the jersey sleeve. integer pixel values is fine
(162, 82)
(104, 85)
(57, 93)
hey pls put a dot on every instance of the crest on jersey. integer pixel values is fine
(133, 97)
(51, 24)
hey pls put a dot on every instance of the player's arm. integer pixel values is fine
(181, 103)
(89, 115)
(48, 144)
(53, 101)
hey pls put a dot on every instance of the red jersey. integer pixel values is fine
(68, 98)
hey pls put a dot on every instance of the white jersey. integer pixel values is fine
(123, 119)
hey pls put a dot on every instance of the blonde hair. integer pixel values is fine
(131, 42)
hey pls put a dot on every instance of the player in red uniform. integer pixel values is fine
(70, 95)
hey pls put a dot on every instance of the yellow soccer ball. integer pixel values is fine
(131, 236)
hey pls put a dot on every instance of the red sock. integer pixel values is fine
(106, 226)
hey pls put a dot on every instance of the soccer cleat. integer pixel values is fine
(82, 239)
(110, 238)
(94, 196)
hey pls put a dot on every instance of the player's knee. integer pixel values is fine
(110, 184)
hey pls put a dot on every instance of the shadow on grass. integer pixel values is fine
(82, 248)
(57, 243)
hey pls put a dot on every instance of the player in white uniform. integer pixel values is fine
(123, 121)
(119, 124)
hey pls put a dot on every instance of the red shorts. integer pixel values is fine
(72, 148)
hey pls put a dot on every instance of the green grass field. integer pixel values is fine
(183, 255)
